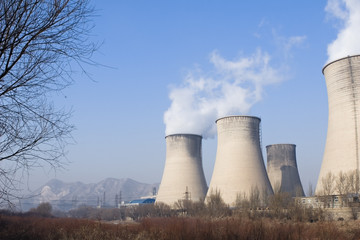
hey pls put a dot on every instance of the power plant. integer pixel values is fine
(342, 143)
(183, 176)
(239, 167)
(282, 169)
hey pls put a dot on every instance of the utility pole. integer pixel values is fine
(116, 200)
(187, 194)
(74, 201)
(104, 199)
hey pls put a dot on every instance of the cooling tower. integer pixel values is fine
(239, 166)
(282, 169)
(183, 176)
(342, 142)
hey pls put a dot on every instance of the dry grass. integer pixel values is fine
(19, 228)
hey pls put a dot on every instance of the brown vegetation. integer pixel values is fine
(19, 228)
(281, 218)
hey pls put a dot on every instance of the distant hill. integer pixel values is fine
(64, 196)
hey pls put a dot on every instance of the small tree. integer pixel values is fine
(216, 206)
(254, 197)
(353, 181)
(328, 184)
(191, 208)
(280, 201)
(342, 185)
(43, 209)
(242, 201)
(310, 192)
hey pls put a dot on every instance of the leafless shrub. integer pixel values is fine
(279, 203)
(149, 210)
(43, 209)
(12, 227)
(216, 207)
(191, 208)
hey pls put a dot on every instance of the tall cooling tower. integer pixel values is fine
(239, 166)
(183, 176)
(282, 169)
(342, 142)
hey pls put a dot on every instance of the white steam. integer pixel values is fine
(233, 88)
(348, 39)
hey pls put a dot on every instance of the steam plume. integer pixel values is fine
(233, 88)
(348, 38)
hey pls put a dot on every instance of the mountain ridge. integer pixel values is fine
(106, 193)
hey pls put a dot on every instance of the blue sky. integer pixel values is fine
(151, 47)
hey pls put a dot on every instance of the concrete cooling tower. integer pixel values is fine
(282, 169)
(342, 142)
(183, 176)
(239, 166)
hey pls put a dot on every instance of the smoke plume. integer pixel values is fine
(233, 87)
(347, 14)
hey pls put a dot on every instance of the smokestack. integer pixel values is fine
(342, 142)
(183, 176)
(239, 166)
(282, 169)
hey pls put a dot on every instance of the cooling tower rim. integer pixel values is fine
(183, 134)
(349, 56)
(281, 144)
(242, 116)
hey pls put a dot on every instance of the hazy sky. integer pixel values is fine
(199, 60)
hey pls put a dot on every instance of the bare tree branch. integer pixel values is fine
(40, 40)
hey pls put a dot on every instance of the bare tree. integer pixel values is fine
(353, 181)
(280, 201)
(242, 202)
(254, 197)
(342, 183)
(40, 41)
(216, 206)
(328, 184)
(43, 209)
(310, 190)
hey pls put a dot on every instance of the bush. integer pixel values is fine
(43, 210)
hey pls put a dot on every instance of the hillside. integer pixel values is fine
(64, 196)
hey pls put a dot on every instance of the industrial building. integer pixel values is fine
(342, 142)
(239, 167)
(183, 176)
(282, 169)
